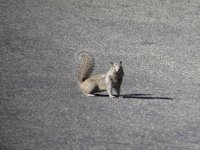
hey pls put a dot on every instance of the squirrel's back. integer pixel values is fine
(86, 66)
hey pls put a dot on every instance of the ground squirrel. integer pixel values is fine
(91, 84)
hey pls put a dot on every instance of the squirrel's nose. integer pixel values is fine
(117, 69)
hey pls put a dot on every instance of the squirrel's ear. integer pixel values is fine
(111, 63)
(120, 62)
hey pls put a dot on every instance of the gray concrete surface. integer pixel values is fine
(41, 106)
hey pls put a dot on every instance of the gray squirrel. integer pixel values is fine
(91, 84)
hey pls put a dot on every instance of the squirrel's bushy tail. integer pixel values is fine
(86, 66)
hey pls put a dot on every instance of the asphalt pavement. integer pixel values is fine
(41, 105)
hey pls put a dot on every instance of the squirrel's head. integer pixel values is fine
(117, 67)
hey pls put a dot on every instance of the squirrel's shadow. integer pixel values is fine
(139, 96)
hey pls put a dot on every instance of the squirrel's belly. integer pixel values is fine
(102, 88)
(102, 84)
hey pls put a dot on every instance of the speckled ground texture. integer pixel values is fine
(41, 106)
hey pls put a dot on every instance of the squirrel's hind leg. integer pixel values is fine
(89, 94)
(89, 89)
